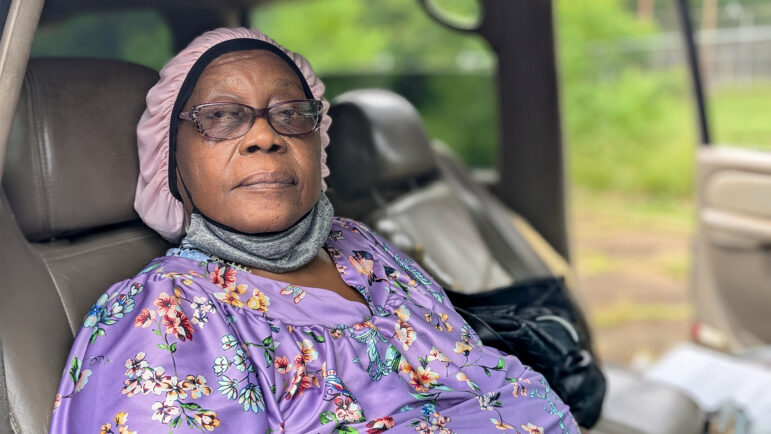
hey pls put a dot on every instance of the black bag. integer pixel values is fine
(537, 321)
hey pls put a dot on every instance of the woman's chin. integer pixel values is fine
(257, 213)
(266, 221)
(262, 226)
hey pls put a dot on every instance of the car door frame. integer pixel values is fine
(18, 33)
(727, 226)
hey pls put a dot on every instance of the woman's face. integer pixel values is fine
(263, 181)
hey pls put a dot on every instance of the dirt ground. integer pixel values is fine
(632, 257)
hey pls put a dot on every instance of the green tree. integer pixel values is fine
(627, 128)
(356, 35)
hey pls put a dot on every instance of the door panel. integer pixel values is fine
(732, 269)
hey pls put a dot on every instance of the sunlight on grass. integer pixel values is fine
(660, 161)
(741, 115)
(594, 262)
(631, 234)
(676, 264)
(613, 210)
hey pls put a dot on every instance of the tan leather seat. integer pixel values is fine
(69, 229)
(385, 172)
(636, 405)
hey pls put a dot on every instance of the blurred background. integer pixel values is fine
(628, 120)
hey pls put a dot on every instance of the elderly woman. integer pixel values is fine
(273, 315)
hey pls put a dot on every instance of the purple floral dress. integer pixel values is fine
(191, 345)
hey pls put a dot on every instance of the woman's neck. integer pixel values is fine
(321, 272)
(278, 252)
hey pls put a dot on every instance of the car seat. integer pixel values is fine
(385, 171)
(69, 229)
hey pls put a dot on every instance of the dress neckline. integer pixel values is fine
(317, 306)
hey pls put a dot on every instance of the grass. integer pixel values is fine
(741, 115)
(626, 312)
(613, 211)
(659, 161)
(632, 258)
(631, 234)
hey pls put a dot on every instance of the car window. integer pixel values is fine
(735, 48)
(447, 75)
(136, 36)
(4, 8)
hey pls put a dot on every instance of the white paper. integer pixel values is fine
(715, 379)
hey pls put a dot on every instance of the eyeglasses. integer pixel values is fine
(229, 120)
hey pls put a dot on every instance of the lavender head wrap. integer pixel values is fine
(154, 200)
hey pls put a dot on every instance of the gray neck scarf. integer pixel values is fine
(277, 252)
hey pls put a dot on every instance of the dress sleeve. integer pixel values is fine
(146, 360)
(411, 272)
(443, 354)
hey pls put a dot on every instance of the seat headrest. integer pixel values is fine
(71, 161)
(377, 139)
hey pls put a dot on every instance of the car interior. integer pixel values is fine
(69, 229)
(68, 216)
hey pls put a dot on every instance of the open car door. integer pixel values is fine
(732, 265)
(732, 268)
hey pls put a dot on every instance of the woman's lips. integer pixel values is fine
(267, 180)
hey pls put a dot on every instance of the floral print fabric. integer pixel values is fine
(192, 345)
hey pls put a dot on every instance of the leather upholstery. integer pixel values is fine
(379, 141)
(84, 266)
(382, 159)
(635, 405)
(35, 333)
(71, 170)
(71, 162)
(5, 422)
(462, 262)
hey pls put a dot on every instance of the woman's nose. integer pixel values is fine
(261, 137)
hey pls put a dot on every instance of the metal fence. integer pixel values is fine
(739, 54)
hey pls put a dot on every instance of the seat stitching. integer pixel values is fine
(42, 134)
(70, 254)
(37, 180)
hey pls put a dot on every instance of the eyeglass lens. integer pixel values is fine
(224, 121)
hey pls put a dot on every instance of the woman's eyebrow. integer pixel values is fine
(213, 95)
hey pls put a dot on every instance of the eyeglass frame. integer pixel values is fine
(193, 115)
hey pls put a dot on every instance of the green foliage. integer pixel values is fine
(740, 114)
(139, 37)
(626, 128)
(354, 35)
(460, 13)
(395, 45)
(459, 109)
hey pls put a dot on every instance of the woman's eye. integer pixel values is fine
(225, 115)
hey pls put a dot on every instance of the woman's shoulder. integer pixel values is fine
(351, 235)
(355, 235)
(162, 274)
(345, 225)
(155, 293)
(148, 348)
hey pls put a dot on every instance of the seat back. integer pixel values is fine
(382, 160)
(69, 229)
